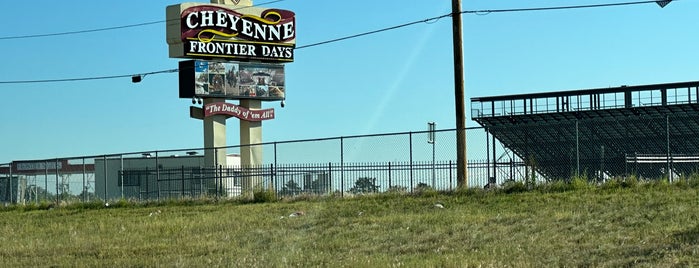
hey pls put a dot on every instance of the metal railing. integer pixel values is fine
(396, 161)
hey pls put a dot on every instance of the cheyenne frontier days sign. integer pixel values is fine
(196, 30)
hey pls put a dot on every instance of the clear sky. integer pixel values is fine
(393, 81)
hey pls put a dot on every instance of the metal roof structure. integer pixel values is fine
(603, 132)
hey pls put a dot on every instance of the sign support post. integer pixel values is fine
(250, 155)
(214, 137)
(236, 49)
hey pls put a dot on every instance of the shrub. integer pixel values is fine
(514, 187)
(263, 196)
(630, 182)
(580, 183)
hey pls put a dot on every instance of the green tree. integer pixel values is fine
(364, 185)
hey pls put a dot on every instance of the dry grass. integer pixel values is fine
(614, 226)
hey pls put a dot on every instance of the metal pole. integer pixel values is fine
(46, 180)
(495, 161)
(410, 140)
(577, 149)
(12, 190)
(121, 174)
(462, 171)
(104, 164)
(342, 167)
(432, 138)
(58, 196)
(434, 180)
(667, 131)
(487, 154)
(157, 174)
(84, 188)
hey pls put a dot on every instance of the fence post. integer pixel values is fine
(182, 179)
(342, 167)
(389, 175)
(58, 196)
(451, 183)
(12, 190)
(410, 140)
(46, 180)
(104, 164)
(157, 174)
(121, 174)
(330, 175)
(667, 131)
(272, 185)
(577, 148)
(84, 192)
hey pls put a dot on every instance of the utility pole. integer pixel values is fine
(461, 162)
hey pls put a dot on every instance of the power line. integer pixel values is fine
(487, 11)
(428, 20)
(81, 31)
(106, 28)
(374, 32)
(86, 78)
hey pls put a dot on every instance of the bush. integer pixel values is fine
(514, 187)
(263, 196)
(555, 187)
(630, 182)
(580, 183)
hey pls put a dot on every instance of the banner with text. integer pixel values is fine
(242, 113)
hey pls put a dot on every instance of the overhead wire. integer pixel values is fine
(107, 28)
(428, 21)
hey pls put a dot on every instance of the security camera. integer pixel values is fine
(283, 103)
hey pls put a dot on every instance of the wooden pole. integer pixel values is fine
(461, 161)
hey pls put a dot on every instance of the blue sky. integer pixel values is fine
(393, 81)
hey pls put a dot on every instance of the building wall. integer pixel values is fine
(148, 177)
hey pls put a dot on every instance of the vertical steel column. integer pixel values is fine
(487, 153)
(342, 167)
(274, 169)
(495, 161)
(389, 175)
(104, 164)
(157, 174)
(121, 174)
(84, 192)
(58, 198)
(46, 180)
(667, 133)
(577, 148)
(12, 190)
(410, 140)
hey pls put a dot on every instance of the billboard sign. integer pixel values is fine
(213, 31)
(240, 112)
(232, 80)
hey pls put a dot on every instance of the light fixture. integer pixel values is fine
(136, 78)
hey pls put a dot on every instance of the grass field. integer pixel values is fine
(616, 224)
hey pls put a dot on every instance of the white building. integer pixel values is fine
(150, 177)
